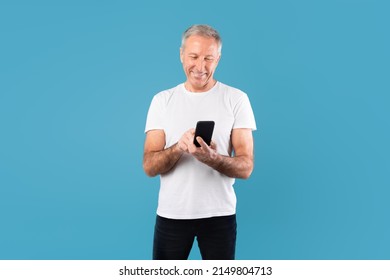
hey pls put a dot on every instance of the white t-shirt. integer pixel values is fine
(191, 189)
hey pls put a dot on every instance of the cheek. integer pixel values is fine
(211, 67)
(185, 63)
(189, 65)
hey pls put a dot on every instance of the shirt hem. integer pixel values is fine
(195, 216)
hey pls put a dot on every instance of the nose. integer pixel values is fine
(200, 65)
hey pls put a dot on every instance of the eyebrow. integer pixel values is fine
(208, 56)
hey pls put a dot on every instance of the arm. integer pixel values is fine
(158, 160)
(239, 166)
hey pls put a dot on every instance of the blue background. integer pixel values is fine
(76, 81)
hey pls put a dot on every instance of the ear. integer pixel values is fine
(219, 57)
(181, 55)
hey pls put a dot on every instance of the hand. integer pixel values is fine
(186, 140)
(204, 153)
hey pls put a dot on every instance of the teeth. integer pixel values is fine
(198, 75)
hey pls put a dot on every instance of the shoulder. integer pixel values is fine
(233, 94)
(230, 91)
(163, 97)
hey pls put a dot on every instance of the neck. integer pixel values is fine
(205, 88)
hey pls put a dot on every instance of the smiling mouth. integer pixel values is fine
(198, 75)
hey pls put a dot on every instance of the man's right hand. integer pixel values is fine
(186, 140)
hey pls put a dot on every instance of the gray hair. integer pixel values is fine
(202, 30)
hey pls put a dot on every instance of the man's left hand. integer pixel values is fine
(204, 153)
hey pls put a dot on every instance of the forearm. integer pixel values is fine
(234, 167)
(161, 162)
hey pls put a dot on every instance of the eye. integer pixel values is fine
(209, 59)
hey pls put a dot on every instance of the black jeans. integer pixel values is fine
(216, 238)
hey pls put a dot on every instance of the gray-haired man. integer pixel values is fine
(196, 196)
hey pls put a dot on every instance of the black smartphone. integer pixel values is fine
(205, 130)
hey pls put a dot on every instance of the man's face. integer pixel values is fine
(200, 57)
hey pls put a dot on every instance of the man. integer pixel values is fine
(196, 196)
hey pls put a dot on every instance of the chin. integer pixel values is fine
(196, 84)
(200, 83)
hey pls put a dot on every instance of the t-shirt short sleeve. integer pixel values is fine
(243, 114)
(155, 118)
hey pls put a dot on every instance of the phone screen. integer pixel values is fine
(204, 129)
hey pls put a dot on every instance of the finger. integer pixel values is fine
(188, 137)
(202, 143)
(190, 134)
(191, 146)
(191, 131)
(213, 145)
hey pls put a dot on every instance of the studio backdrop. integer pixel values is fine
(76, 81)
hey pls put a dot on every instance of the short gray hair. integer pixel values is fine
(202, 30)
